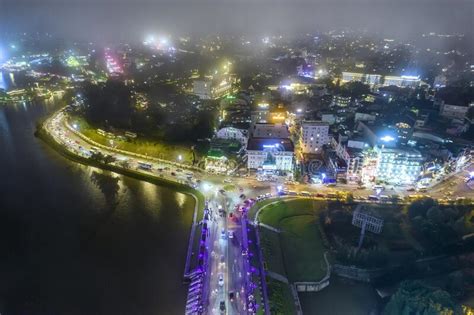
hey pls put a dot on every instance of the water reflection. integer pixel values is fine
(108, 185)
(77, 240)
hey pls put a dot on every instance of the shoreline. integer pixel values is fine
(198, 211)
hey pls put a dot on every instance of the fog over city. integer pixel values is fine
(125, 20)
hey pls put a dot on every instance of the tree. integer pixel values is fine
(109, 104)
(109, 159)
(415, 297)
(356, 89)
(420, 207)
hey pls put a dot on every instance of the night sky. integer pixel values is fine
(127, 19)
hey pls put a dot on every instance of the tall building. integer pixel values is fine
(398, 165)
(314, 134)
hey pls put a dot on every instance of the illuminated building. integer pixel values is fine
(353, 152)
(235, 111)
(269, 155)
(212, 89)
(261, 114)
(370, 79)
(232, 133)
(402, 81)
(278, 116)
(398, 166)
(224, 155)
(314, 134)
(341, 101)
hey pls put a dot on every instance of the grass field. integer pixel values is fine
(303, 249)
(281, 299)
(272, 251)
(153, 148)
(298, 251)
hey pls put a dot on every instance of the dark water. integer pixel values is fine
(74, 240)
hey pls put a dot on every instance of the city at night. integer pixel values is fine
(245, 157)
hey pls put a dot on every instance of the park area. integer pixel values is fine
(293, 248)
(152, 148)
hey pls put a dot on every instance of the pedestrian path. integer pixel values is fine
(277, 276)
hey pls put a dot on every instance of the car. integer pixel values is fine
(222, 262)
(227, 181)
(222, 191)
(242, 196)
(222, 307)
(231, 214)
(223, 234)
(220, 280)
(231, 235)
(173, 174)
(231, 296)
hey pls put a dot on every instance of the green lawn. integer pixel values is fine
(298, 251)
(303, 248)
(141, 146)
(281, 299)
(273, 214)
(272, 251)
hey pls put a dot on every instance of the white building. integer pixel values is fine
(232, 133)
(267, 130)
(370, 79)
(270, 154)
(453, 111)
(402, 81)
(314, 134)
(397, 165)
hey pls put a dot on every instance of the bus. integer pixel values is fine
(144, 166)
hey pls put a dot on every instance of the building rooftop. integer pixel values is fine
(278, 144)
(315, 123)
